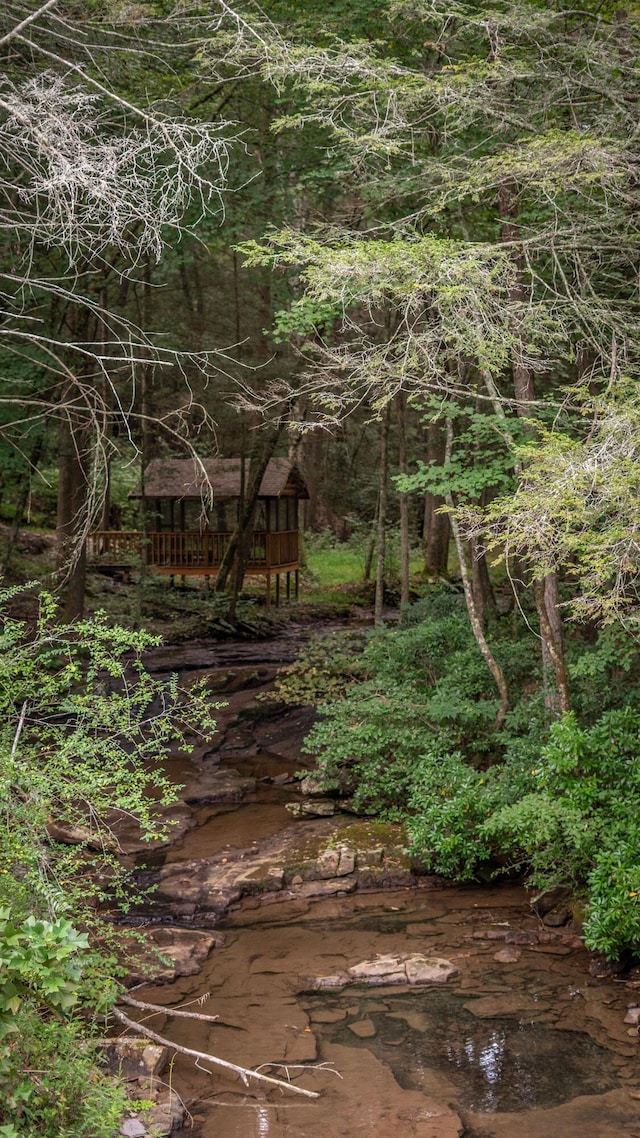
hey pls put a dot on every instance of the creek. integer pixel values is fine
(522, 1040)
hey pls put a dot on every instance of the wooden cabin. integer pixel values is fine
(191, 512)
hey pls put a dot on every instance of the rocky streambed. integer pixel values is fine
(413, 1007)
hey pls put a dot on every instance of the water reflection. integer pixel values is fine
(495, 1064)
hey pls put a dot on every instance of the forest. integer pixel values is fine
(396, 244)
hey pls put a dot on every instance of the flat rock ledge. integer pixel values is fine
(322, 859)
(397, 968)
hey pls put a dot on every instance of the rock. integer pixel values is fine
(601, 967)
(284, 736)
(297, 880)
(430, 970)
(557, 918)
(312, 786)
(508, 955)
(364, 1029)
(275, 877)
(327, 864)
(181, 657)
(410, 968)
(325, 888)
(165, 1117)
(325, 1015)
(503, 1004)
(521, 937)
(234, 679)
(69, 835)
(226, 785)
(217, 681)
(334, 980)
(347, 862)
(489, 934)
(548, 899)
(175, 819)
(239, 741)
(132, 1128)
(282, 779)
(131, 1057)
(185, 949)
(319, 808)
(633, 1016)
(384, 970)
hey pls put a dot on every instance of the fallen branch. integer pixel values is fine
(244, 1073)
(158, 1009)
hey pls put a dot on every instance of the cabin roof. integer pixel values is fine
(180, 478)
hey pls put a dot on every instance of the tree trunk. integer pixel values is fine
(233, 558)
(382, 514)
(474, 616)
(484, 599)
(437, 527)
(401, 406)
(557, 698)
(73, 489)
(371, 547)
(546, 592)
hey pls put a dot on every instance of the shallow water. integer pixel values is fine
(501, 1064)
(532, 1044)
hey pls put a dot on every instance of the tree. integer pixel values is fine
(93, 185)
(500, 238)
(575, 507)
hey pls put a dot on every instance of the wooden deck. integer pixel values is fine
(191, 553)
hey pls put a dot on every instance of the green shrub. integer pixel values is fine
(83, 730)
(51, 1085)
(408, 731)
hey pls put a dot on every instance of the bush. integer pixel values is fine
(408, 731)
(83, 729)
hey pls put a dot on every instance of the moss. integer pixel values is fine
(364, 835)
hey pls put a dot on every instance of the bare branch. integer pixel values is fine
(246, 1074)
(158, 1009)
(25, 23)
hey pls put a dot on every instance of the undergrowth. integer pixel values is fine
(406, 728)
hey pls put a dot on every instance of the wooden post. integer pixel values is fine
(297, 590)
(277, 590)
(288, 585)
(268, 575)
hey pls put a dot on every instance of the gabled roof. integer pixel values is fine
(185, 478)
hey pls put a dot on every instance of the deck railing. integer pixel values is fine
(189, 550)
